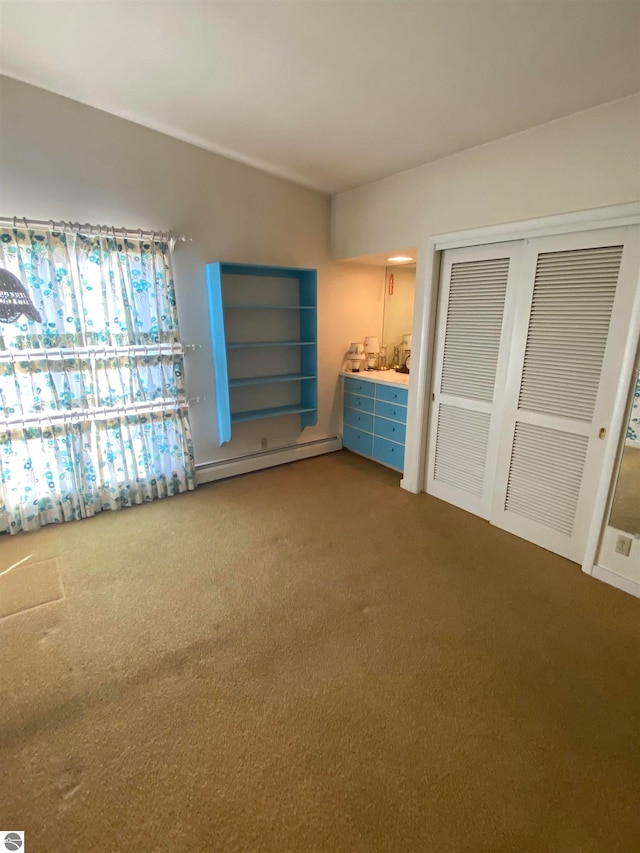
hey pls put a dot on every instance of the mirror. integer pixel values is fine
(399, 291)
(625, 508)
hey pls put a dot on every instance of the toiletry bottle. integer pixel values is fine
(382, 357)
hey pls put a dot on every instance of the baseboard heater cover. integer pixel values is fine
(207, 472)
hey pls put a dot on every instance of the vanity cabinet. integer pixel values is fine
(374, 420)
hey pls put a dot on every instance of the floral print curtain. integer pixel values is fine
(93, 413)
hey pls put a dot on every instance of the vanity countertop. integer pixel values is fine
(387, 377)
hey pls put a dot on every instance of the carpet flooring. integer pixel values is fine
(311, 659)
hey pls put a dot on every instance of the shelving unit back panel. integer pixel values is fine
(259, 290)
(251, 325)
(269, 361)
(264, 396)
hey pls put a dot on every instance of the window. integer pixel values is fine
(93, 412)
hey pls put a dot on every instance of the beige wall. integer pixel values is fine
(588, 160)
(62, 160)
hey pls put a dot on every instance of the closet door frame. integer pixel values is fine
(424, 325)
(612, 454)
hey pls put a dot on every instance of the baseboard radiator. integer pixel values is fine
(207, 472)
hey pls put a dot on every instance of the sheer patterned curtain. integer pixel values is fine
(93, 413)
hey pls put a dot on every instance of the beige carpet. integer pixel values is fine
(625, 510)
(310, 659)
(28, 585)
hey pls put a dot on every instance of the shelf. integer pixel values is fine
(276, 307)
(301, 274)
(251, 344)
(261, 414)
(267, 380)
(251, 302)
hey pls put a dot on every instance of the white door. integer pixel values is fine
(575, 296)
(473, 328)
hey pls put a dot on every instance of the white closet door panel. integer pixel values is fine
(570, 328)
(461, 448)
(569, 321)
(545, 475)
(473, 314)
(473, 326)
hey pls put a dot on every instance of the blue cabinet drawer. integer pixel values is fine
(388, 452)
(391, 410)
(359, 386)
(358, 401)
(355, 439)
(359, 419)
(392, 395)
(393, 430)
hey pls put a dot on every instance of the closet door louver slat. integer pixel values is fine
(459, 463)
(552, 362)
(473, 326)
(545, 475)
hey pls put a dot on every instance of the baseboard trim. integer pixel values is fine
(208, 472)
(410, 484)
(614, 579)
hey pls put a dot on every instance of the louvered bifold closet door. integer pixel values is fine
(469, 374)
(570, 329)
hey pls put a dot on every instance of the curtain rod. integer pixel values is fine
(93, 230)
(93, 413)
(64, 353)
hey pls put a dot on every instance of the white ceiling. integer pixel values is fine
(329, 94)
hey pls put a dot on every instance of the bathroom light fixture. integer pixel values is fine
(399, 259)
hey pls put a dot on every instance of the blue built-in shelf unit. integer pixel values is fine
(264, 338)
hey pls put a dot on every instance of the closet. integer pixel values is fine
(529, 338)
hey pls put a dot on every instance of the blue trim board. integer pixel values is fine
(309, 288)
(220, 370)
